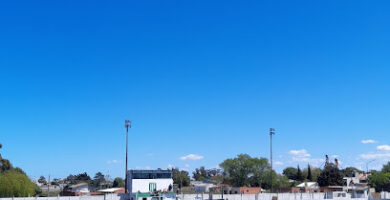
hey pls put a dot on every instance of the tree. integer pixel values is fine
(5, 165)
(83, 177)
(330, 176)
(379, 180)
(203, 174)
(300, 175)
(14, 181)
(42, 180)
(350, 171)
(180, 178)
(118, 182)
(16, 184)
(260, 173)
(309, 176)
(386, 168)
(281, 182)
(200, 174)
(75, 179)
(247, 171)
(98, 180)
(315, 173)
(290, 173)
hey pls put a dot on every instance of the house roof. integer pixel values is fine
(78, 185)
(307, 184)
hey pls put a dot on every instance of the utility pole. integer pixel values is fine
(367, 163)
(271, 132)
(127, 126)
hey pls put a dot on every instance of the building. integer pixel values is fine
(112, 191)
(76, 190)
(250, 190)
(306, 187)
(150, 184)
(202, 186)
(226, 189)
(357, 185)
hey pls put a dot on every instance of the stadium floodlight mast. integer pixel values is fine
(271, 132)
(127, 126)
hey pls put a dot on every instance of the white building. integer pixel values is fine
(80, 189)
(149, 181)
(202, 186)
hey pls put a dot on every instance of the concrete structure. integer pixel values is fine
(202, 186)
(357, 185)
(250, 190)
(150, 184)
(112, 190)
(306, 187)
(143, 181)
(79, 189)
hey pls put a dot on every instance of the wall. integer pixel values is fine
(263, 196)
(142, 185)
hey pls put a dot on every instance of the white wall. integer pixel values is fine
(142, 185)
(263, 196)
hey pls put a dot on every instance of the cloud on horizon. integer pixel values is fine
(369, 141)
(192, 157)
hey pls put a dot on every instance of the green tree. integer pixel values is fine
(300, 175)
(378, 180)
(309, 176)
(118, 182)
(200, 174)
(260, 173)
(16, 184)
(330, 176)
(42, 180)
(315, 173)
(98, 180)
(180, 177)
(281, 182)
(14, 181)
(350, 171)
(386, 168)
(238, 170)
(247, 171)
(290, 173)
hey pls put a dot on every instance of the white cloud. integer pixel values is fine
(369, 156)
(302, 156)
(112, 162)
(299, 155)
(170, 166)
(191, 157)
(383, 147)
(278, 163)
(369, 141)
(187, 165)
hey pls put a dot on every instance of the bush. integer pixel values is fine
(16, 184)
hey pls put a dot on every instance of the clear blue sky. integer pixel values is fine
(207, 78)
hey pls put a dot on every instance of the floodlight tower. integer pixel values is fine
(127, 126)
(271, 132)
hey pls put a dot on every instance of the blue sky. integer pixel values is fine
(202, 81)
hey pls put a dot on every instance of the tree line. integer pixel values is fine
(245, 170)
